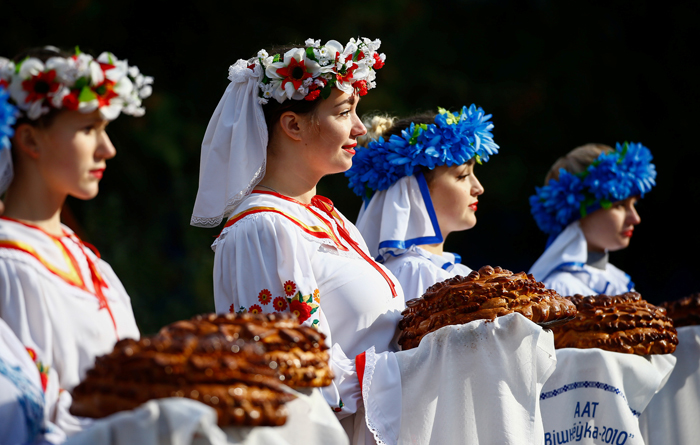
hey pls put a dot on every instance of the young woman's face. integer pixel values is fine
(72, 153)
(330, 137)
(611, 229)
(454, 192)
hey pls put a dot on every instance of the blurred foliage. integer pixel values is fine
(555, 75)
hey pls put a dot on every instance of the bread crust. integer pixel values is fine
(621, 323)
(484, 294)
(684, 312)
(235, 363)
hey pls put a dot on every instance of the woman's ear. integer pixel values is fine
(26, 140)
(290, 123)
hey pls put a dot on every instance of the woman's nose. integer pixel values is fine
(105, 149)
(477, 189)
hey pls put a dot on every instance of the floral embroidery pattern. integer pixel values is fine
(264, 297)
(255, 309)
(317, 296)
(303, 306)
(43, 369)
(280, 304)
(241, 310)
(290, 288)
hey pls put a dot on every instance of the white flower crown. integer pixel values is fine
(79, 82)
(311, 72)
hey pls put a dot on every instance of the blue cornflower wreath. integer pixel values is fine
(8, 114)
(614, 176)
(452, 140)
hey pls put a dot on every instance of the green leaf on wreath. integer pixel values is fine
(276, 58)
(310, 54)
(86, 95)
(604, 203)
(313, 310)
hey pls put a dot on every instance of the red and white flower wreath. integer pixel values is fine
(311, 72)
(79, 82)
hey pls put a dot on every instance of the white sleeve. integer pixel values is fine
(415, 276)
(23, 308)
(263, 264)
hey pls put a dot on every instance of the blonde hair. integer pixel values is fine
(577, 160)
(377, 125)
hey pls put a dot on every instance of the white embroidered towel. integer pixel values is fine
(477, 383)
(596, 396)
(673, 415)
(179, 421)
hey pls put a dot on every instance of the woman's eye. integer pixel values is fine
(462, 177)
(88, 129)
(345, 113)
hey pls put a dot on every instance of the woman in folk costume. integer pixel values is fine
(417, 178)
(285, 121)
(588, 209)
(56, 294)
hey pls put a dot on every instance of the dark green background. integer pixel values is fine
(555, 75)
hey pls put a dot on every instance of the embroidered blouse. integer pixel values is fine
(60, 299)
(277, 254)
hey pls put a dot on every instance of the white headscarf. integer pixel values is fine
(568, 248)
(234, 149)
(399, 217)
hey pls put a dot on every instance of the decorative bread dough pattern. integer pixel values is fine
(486, 294)
(621, 323)
(684, 312)
(235, 363)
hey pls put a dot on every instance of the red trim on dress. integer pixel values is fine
(360, 368)
(97, 281)
(325, 205)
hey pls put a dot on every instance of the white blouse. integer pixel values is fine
(276, 254)
(563, 267)
(60, 299)
(417, 270)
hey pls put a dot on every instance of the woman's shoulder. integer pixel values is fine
(261, 216)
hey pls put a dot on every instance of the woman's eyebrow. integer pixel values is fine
(350, 100)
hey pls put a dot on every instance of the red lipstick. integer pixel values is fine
(97, 173)
(473, 205)
(628, 233)
(350, 148)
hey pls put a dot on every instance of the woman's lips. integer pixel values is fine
(628, 233)
(97, 173)
(350, 148)
(473, 205)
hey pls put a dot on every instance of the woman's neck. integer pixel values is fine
(289, 176)
(436, 249)
(33, 202)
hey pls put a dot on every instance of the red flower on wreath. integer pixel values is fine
(280, 304)
(361, 87)
(39, 86)
(313, 95)
(265, 296)
(255, 309)
(290, 288)
(70, 101)
(301, 310)
(378, 63)
(105, 93)
(295, 72)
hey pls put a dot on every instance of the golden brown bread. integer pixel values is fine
(621, 323)
(486, 294)
(684, 312)
(234, 363)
